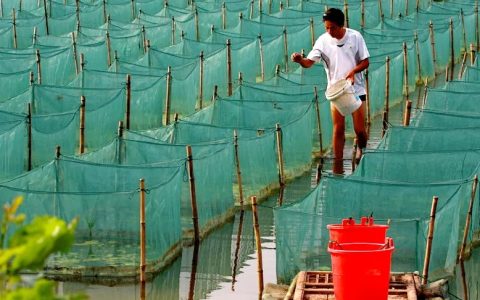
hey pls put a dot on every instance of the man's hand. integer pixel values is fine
(351, 77)
(296, 57)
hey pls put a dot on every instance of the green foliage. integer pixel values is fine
(27, 249)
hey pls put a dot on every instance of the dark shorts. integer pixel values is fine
(363, 97)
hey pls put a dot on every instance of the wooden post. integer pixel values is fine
(14, 19)
(128, 98)
(462, 66)
(258, 243)
(193, 196)
(367, 88)
(312, 32)
(405, 71)
(384, 123)
(224, 16)
(472, 54)
(197, 30)
(362, 8)
(434, 53)
(166, 112)
(143, 250)
(200, 82)
(262, 62)
(319, 123)
(81, 146)
(109, 50)
(468, 219)
(345, 11)
(285, 48)
(428, 248)
(452, 50)
(406, 115)
(229, 68)
(75, 58)
(45, 13)
(39, 67)
(173, 30)
(281, 171)
(237, 166)
(387, 87)
(29, 136)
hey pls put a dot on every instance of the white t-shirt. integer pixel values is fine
(339, 57)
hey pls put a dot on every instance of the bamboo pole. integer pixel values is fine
(166, 113)
(387, 87)
(291, 288)
(200, 81)
(115, 60)
(318, 174)
(82, 62)
(240, 78)
(468, 220)
(29, 136)
(417, 50)
(148, 53)
(144, 39)
(45, 14)
(405, 71)
(128, 98)
(472, 54)
(417, 6)
(262, 61)
(281, 5)
(14, 19)
(281, 171)
(285, 48)
(277, 70)
(215, 93)
(362, 11)
(462, 66)
(133, 9)
(464, 34)
(384, 123)
(312, 32)
(270, 6)
(407, 113)
(380, 10)
(367, 95)
(428, 248)
(237, 166)
(193, 272)
(258, 244)
(58, 153)
(240, 19)
(452, 51)
(345, 11)
(250, 12)
(237, 248)
(120, 142)
(406, 7)
(109, 49)
(143, 250)
(1, 8)
(193, 195)
(172, 136)
(319, 123)
(81, 146)
(434, 53)
(477, 33)
(34, 36)
(39, 67)
(425, 93)
(224, 16)
(173, 30)
(229, 68)
(197, 29)
(75, 58)
(32, 78)
(260, 8)
(104, 7)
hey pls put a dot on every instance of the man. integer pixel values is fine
(344, 55)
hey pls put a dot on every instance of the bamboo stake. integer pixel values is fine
(250, 13)
(387, 87)
(285, 48)
(237, 166)
(281, 5)
(240, 19)
(57, 152)
(32, 78)
(148, 53)
(215, 93)
(362, 8)
(434, 53)
(406, 115)
(193, 195)
(319, 123)
(406, 7)
(172, 136)
(462, 66)
(81, 147)
(229, 68)
(168, 96)
(133, 9)
(237, 248)
(82, 62)
(277, 70)
(260, 8)
(417, 50)
(45, 15)
(281, 172)
(39, 67)
(345, 11)
(197, 30)
(318, 174)
(369, 114)
(262, 62)
(1, 8)
(104, 7)
(128, 98)
(258, 243)
(417, 6)
(240, 78)
(384, 123)
(75, 58)
(464, 34)
(312, 32)
(144, 39)
(193, 272)
(224, 16)
(452, 51)
(120, 142)
(291, 288)
(34, 36)
(29, 136)
(468, 220)
(380, 10)
(200, 82)
(109, 50)
(173, 30)
(14, 19)
(472, 54)
(405, 70)
(425, 93)
(143, 250)
(428, 248)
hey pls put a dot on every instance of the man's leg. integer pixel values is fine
(338, 139)
(359, 127)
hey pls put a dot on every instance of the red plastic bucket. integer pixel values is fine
(365, 232)
(361, 271)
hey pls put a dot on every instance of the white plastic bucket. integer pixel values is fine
(342, 95)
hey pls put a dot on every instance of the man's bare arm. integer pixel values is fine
(304, 62)
(362, 65)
